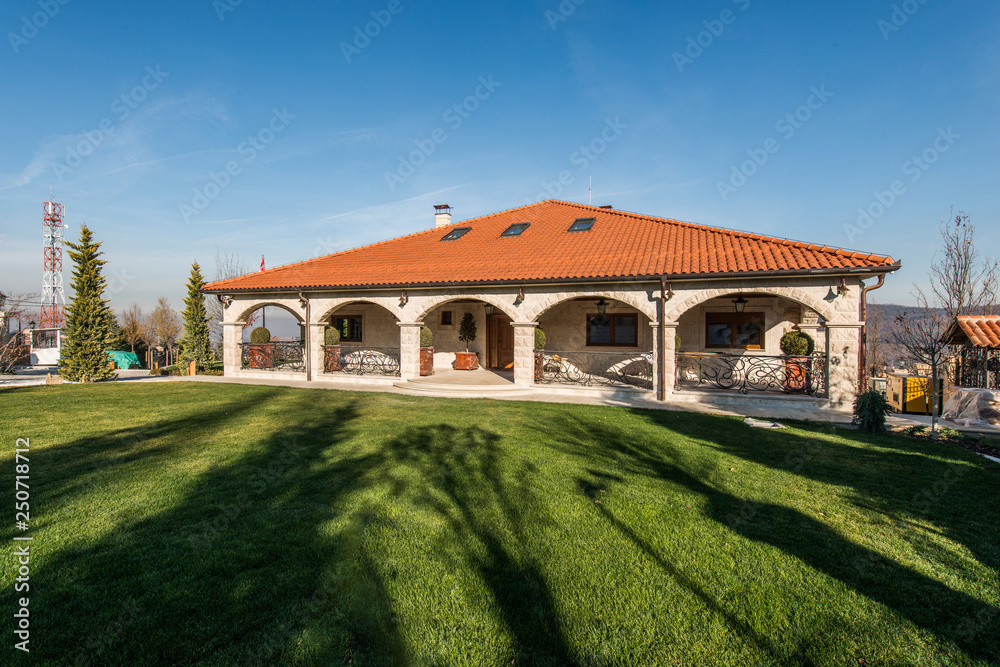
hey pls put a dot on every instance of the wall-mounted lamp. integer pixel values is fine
(403, 298)
(489, 309)
(740, 304)
(670, 292)
(302, 301)
(602, 307)
(520, 296)
(31, 324)
(842, 287)
(226, 301)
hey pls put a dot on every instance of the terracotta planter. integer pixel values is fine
(466, 361)
(261, 356)
(539, 361)
(427, 361)
(331, 359)
(796, 375)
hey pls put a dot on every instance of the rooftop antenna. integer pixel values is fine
(590, 202)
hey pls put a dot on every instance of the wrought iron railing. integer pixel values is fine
(361, 360)
(588, 369)
(978, 367)
(748, 372)
(280, 356)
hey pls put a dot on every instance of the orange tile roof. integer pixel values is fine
(620, 245)
(980, 330)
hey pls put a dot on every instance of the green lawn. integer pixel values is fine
(186, 523)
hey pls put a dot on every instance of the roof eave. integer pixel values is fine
(675, 277)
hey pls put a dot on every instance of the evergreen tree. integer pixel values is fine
(84, 357)
(196, 344)
(116, 337)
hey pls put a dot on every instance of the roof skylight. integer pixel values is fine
(516, 229)
(582, 224)
(456, 233)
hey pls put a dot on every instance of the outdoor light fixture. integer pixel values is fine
(740, 303)
(226, 301)
(302, 301)
(670, 292)
(602, 307)
(489, 309)
(31, 324)
(403, 298)
(842, 287)
(520, 296)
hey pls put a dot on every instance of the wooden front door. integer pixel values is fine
(500, 343)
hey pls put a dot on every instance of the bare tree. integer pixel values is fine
(166, 325)
(227, 265)
(132, 323)
(20, 310)
(961, 283)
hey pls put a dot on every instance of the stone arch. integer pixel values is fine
(249, 307)
(333, 305)
(495, 300)
(633, 299)
(687, 302)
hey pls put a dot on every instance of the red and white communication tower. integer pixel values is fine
(53, 297)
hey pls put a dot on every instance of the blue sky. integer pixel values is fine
(173, 129)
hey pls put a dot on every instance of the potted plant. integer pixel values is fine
(796, 346)
(426, 351)
(259, 352)
(331, 350)
(467, 361)
(540, 341)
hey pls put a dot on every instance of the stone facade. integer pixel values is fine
(390, 320)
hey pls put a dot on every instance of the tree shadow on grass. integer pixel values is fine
(243, 568)
(462, 481)
(924, 601)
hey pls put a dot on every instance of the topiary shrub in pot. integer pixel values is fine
(426, 351)
(797, 346)
(260, 353)
(331, 350)
(467, 361)
(540, 341)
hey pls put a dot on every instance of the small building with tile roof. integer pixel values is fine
(627, 302)
(978, 358)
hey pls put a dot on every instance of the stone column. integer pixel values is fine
(232, 336)
(409, 350)
(524, 353)
(669, 353)
(314, 341)
(842, 362)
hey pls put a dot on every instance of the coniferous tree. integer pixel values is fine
(196, 344)
(84, 357)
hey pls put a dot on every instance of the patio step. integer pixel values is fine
(450, 390)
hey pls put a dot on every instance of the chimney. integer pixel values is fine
(442, 215)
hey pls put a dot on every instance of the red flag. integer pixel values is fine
(262, 262)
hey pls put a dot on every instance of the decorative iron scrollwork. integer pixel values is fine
(745, 373)
(287, 356)
(588, 369)
(361, 360)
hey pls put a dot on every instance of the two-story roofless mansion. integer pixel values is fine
(629, 304)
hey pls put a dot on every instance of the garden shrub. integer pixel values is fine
(870, 409)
